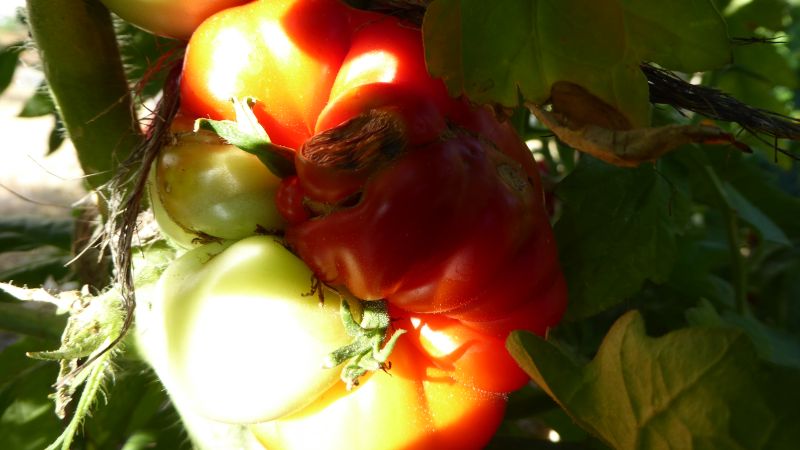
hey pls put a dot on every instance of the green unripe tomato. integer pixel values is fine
(170, 18)
(204, 190)
(235, 337)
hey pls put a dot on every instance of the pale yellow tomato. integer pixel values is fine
(234, 335)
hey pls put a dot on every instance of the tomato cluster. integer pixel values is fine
(400, 193)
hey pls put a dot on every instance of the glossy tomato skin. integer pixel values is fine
(241, 340)
(455, 227)
(469, 356)
(283, 53)
(384, 49)
(297, 56)
(423, 120)
(170, 18)
(416, 406)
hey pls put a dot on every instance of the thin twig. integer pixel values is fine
(667, 88)
(125, 192)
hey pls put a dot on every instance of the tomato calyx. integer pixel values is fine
(247, 134)
(367, 352)
(334, 164)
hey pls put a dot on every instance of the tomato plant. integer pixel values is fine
(397, 188)
(377, 168)
(170, 18)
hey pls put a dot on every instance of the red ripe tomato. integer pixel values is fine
(385, 50)
(284, 53)
(454, 227)
(417, 406)
(471, 357)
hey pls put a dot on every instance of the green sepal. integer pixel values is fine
(367, 352)
(247, 134)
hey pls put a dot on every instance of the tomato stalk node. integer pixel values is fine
(366, 353)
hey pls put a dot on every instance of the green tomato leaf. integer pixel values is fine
(495, 51)
(56, 137)
(758, 67)
(247, 134)
(27, 420)
(146, 57)
(693, 274)
(19, 234)
(617, 230)
(51, 237)
(39, 104)
(137, 414)
(772, 345)
(35, 271)
(702, 387)
(757, 70)
(745, 17)
(764, 185)
(92, 382)
(9, 56)
(754, 216)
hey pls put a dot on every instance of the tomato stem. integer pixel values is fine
(738, 262)
(82, 64)
(364, 354)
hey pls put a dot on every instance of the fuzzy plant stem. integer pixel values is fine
(82, 64)
(738, 262)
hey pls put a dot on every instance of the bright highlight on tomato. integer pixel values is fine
(244, 343)
(416, 406)
(283, 53)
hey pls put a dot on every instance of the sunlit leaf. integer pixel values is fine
(493, 51)
(701, 387)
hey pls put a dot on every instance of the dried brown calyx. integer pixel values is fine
(334, 164)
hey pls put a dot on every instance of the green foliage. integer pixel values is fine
(137, 415)
(9, 56)
(705, 244)
(27, 420)
(699, 387)
(598, 45)
(626, 216)
(19, 234)
(44, 247)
